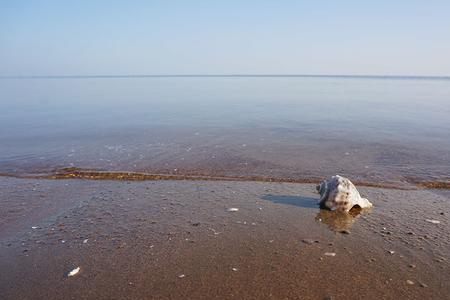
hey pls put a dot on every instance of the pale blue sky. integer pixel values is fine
(222, 37)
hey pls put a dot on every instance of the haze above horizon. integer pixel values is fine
(112, 76)
(255, 38)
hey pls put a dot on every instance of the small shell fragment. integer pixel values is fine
(181, 276)
(433, 221)
(232, 209)
(330, 254)
(214, 231)
(73, 272)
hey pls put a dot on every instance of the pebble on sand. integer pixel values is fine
(410, 282)
(330, 254)
(309, 241)
(181, 276)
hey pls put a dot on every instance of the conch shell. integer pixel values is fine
(339, 193)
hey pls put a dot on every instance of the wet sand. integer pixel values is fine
(176, 240)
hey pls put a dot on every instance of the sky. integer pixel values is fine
(92, 37)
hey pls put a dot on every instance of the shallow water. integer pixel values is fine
(375, 130)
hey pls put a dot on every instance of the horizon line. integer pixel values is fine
(106, 76)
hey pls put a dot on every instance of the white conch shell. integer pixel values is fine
(339, 193)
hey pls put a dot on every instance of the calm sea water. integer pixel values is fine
(370, 129)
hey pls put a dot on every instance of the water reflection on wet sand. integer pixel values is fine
(339, 221)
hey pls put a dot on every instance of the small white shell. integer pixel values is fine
(73, 272)
(433, 221)
(232, 209)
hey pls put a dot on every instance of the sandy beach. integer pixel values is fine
(177, 240)
(179, 150)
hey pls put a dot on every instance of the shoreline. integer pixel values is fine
(77, 173)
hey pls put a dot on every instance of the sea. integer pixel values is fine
(376, 130)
